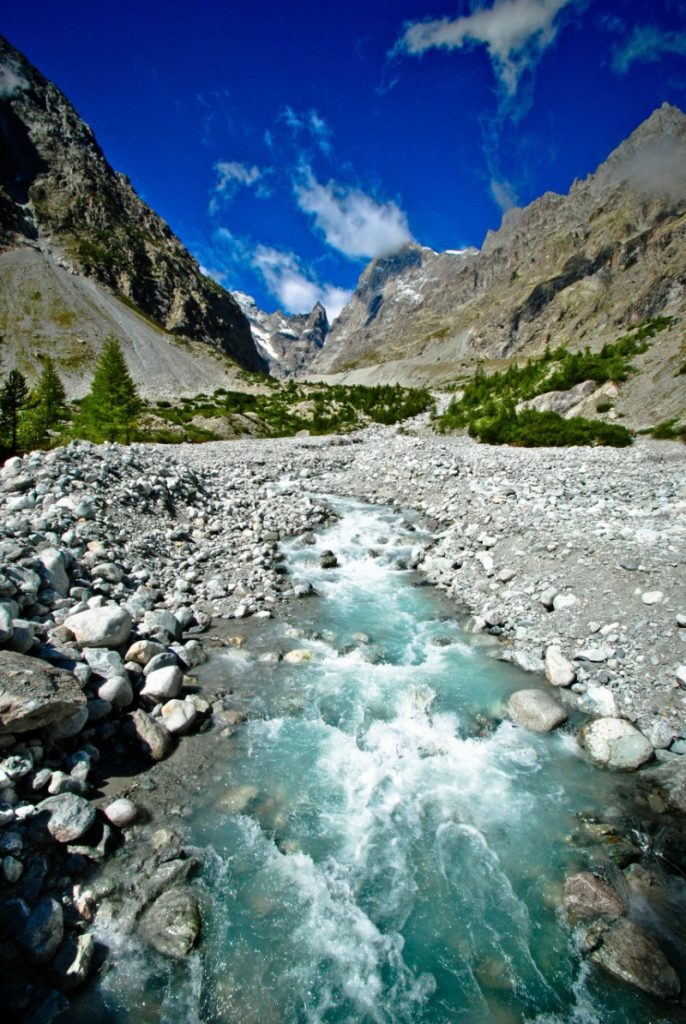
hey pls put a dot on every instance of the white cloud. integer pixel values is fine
(351, 221)
(515, 32)
(231, 176)
(297, 292)
(647, 43)
(11, 82)
(503, 193)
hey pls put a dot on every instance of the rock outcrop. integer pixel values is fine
(288, 343)
(568, 270)
(60, 198)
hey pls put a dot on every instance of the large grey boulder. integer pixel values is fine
(153, 736)
(108, 626)
(614, 743)
(44, 930)
(627, 952)
(668, 783)
(536, 710)
(34, 694)
(171, 925)
(560, 401)
(69, 816)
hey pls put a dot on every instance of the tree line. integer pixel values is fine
(39, 417)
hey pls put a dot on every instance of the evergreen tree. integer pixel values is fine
(13, 397)
(48, 400)
(109, 410)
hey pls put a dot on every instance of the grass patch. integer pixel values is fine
(669, 430)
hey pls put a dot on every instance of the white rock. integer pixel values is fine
(297, 656)
(536, 710)
(595, 654)
(121, 812)
(108, 626)
(680, 674)
(558, 670)
(561, 601)
(163, 684)
(652, 597)
(179, 715)
(117, 691)
(615, 743)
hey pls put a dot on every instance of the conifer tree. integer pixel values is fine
(48, 400)
(109, 410)
(13, 397)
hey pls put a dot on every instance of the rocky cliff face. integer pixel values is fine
(59, 195)
(567, 270)
(288, 343)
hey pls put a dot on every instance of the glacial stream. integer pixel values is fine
(381, 845)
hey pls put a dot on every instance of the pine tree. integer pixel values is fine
(13, 397)
(109, 410)
(48, 400)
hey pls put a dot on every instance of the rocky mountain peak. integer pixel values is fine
(288, 342)
(59, 194)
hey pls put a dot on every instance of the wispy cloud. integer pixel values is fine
(515, 33)
(230, 177)
(11, 81)
(645, 44)
(296, 289)
(503, 193)
(310, 123)
(351, 221)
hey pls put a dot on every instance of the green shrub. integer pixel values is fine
(532, 429)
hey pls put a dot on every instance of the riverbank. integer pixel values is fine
(578, 550)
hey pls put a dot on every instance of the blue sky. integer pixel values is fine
(286, 144)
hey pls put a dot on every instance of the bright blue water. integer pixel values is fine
(381, 845)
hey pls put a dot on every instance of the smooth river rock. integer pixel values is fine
(108, 626)
(34, 694)
(614, 743)
(536, 710)
(154, 737)
(163, 684)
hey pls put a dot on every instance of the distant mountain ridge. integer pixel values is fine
(288, 342)
(60, 199)
(572, 270)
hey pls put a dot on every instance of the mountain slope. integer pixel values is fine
(570, 270)
(60, 197)
(288, 342)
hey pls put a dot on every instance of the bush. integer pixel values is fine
(532, 429)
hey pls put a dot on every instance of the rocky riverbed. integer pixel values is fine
(121, 567)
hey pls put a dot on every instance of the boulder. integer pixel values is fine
(558, 670)
(163, 684)
(43, 932)
(559, 401)
(587, 897)
(614, 743)
(627, 952)
(161, 619)
(536, 710)
(70, 816)
(108, 626)
(153, 736)
(143, 651)
(71, 726)
(668, 782)
(103, 662)
(55, 570)
(171, 925)
(34, 694)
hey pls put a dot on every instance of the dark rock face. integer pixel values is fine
(34, 694)
(51, 164)
(628, 953)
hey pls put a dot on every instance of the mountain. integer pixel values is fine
(573, 270)
(287, 342)
(81, 254)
